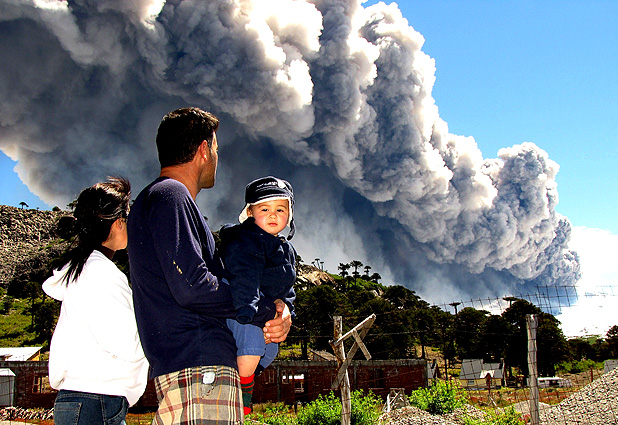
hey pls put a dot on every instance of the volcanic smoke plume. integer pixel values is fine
(332, 96)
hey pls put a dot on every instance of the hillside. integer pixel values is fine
(28, 242)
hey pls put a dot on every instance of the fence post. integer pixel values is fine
(346, 397)
(531, 325)
(342, 380)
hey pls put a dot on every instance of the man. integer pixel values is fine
(180, 302)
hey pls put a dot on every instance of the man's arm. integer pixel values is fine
(179, 237)
(277, 329)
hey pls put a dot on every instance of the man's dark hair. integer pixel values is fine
(181, 132)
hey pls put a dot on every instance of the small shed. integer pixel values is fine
(476, 374)
(7, 387)
(610, 365)
(317, 355)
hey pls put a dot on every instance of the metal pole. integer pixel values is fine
(531, 325)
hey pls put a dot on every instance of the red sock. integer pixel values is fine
(246, 385)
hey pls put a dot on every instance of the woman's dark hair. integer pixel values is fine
(97, 208)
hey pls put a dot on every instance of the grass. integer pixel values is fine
(15, 329)
(139, 418)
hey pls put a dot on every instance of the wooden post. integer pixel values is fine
(346, 396)
(531, 325)
(342, 380)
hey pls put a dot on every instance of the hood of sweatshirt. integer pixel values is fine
(55, 286)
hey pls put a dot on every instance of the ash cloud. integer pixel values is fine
(328, 94)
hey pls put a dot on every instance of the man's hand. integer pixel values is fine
(277, 329)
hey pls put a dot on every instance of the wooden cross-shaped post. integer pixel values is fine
(342, 381)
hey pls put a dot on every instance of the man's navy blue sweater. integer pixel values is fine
(180, 305)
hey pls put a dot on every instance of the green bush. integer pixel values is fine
(442, 397)
(365, 409)
(506, 417)
(578, 366)
(325, 410)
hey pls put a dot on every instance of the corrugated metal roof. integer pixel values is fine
(16, 354)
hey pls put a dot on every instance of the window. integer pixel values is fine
(299, 384)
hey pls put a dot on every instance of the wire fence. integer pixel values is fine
(588, 396)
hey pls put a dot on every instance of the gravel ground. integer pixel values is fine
(595, 404)
(414, 416)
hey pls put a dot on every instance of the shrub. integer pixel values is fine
(442, 397)
(365, 409)
(577, 366)
(326, 410)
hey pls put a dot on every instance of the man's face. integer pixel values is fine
(210, 168)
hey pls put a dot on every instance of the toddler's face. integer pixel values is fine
(271, 216)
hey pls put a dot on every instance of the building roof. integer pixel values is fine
(322, 355)
(17, 354)
(477, 369)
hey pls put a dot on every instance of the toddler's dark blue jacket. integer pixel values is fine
(258, 266)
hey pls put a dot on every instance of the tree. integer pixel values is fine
(612, 341)
(444, 322)
(366, 275)
(403, 298)
(343, 269)
(315, 308)
(517, 346)
(375, 277)
(33, 291)
(494, 335)
(389, 337)
(355, 264)
(22, 204)
(45, 319)
(466, 333)
(551, 343)
(425, 324)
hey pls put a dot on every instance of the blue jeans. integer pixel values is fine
(250, 342)
(79, 408)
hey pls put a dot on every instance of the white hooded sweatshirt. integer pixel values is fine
(96, 347)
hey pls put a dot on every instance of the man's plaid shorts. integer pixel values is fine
(204, 395)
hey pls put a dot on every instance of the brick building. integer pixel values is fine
(286, 381)
(303, 381)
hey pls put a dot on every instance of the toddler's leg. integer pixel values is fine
(246, 369)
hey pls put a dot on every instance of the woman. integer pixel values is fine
(96, 359)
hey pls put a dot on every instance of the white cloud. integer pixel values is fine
(595, 311)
